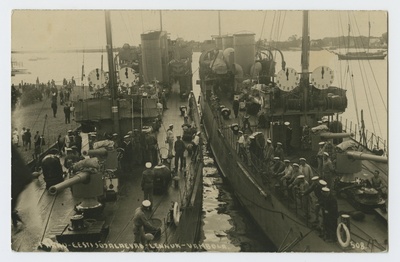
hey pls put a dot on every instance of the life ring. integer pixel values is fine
(343, 243)
(176, 214)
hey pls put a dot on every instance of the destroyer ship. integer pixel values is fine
(299, 111)
(93, 210)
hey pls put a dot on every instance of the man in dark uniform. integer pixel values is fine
(127, 158)
(330, 214)
(78, 142)
(140, 221)
(246, 124)
(179, 148)
(67, 113)
(148, 182)
(235, 106)
(52, 169)
(151, 143)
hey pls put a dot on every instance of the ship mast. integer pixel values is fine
(111, 74)
(305, 58)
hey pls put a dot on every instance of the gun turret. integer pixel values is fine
(79, 178)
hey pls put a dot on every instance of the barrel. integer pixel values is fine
(79, 178)
(244, 45)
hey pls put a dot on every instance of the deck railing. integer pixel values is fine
(369, 140)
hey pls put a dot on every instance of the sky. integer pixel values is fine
(72, 29)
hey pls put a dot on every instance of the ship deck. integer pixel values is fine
(42, 212)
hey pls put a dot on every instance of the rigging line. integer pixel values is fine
(367, 90)
(40, 111)
(262, 28)
(272, 27)
(126, 27)
(354, 98)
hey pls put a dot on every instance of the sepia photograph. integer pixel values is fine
(168, 130)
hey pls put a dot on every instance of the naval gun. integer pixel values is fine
(86, 183)
(354, 182)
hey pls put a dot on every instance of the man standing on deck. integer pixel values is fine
(235, 106)
(269, 151)
(305, 169)
(330, 214)
(151, 143)
(140, 220)
(320, 156)
(67, 113)
(246, 124)
(279, 151)
(315, 192)
(127, 157)
(195, 143)
(170, 139)
(328, 170)
(54, 107)
(28, 139)
(179, 151)
(148, 182)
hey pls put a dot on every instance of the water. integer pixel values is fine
(226, 227)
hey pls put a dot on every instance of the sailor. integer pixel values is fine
(69, 139)
(376, 182)
(288, 134)
(286, 174)
(148, 182)
(170, 139)
(72, 157)
(115, 139)
(78, 142)
(269, 151)
(277, 166)
(246, 123)
(179, 151)
(279, 151)
(320, 156)
(299, 186)
(195, 143)
(127, 157)
(140, 220)
(235, 106)
(240, 145)
(260, 144)
(152, 147)
(315, 191)
(292, 180)
(328, 147)
(92, 140)
(305, 169)
(328, 170)
(52, 169)
(330, 214)
(253, 149)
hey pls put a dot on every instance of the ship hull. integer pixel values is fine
(362, 57)
(277, 222)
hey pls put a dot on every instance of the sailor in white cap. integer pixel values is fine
(170, 139)
(240, 146)
(288, 137)
(277, 166)
(126, 160)
(328, 170)
(148, 182)
(330, 214)
(320, 156)
(298, 187)
(295, 173)
(287, 175)
(140, 220)
(315, 193)
(269, 151)
(305, 169)
(279, 150)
